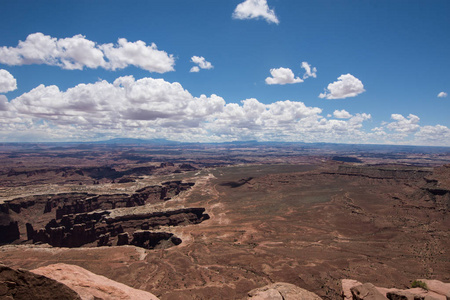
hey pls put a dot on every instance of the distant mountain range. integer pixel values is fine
(131, 141)
(350, 148)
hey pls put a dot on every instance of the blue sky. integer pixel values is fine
(392, 58)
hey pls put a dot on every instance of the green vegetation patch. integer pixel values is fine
(420, 284)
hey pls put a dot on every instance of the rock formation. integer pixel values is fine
(80, 229)
(437, 286)
(77, 216)
(435, 290)
(9, 233)
(281, 291)
(23, 285)
(384, 171)
(91, 286)
(151, 240)
(366, 291)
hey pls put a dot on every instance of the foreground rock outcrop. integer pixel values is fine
(433, 290)
(91, 286)
(23, 285)
(281, 291)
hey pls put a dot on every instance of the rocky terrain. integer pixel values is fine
(63, 281)
(281, 291)
(430, 289)
(91, 286)
(81, 219)
(213, 227)
(24, 285)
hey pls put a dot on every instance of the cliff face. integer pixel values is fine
(82, 219)
(384, 172)
(81, 229)
(71, 203)
(437, 188)
(9, 232)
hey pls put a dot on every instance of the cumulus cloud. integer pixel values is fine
(282, 76)
(309, 72)
(346, 86)
(404, 125)
(433, 135)
(155, 108)
(149, 108)
(7, 82)
(201, 64)
(138, 54)
(3, 103)
(77, 52)
(342, 114)
(285, 75)
(442, 95)
(255, 9)
(194, 69)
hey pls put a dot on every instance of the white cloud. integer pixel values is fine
(155, 108)
(201, 64)
(7, 82)
(74, 53)
(442, 95)
(342, 114)
(3, 103)
(285, 75)
(346, 86)
(282, 76)
(404, 125)
(150, 107)
(433, 135)
(194, 69)
(122, 103)
(77, 52)
(254, 9)
(137, 54)
(309, 72)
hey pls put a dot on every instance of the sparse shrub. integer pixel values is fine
(420, 284)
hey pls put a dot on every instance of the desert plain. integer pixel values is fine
(229, 218)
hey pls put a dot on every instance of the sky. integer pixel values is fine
(340, 71)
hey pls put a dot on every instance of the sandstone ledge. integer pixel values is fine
(281, 291)
(92, 286)
(436, 290)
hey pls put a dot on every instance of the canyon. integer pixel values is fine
(217, 222)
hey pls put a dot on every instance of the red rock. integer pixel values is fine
(23, 285)
(414, 294)
(367, 291)
(281, 291)
(347, 284)
(92, 286)
(437, 286)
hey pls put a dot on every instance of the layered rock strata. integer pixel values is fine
(82, 219)
(81, 229)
